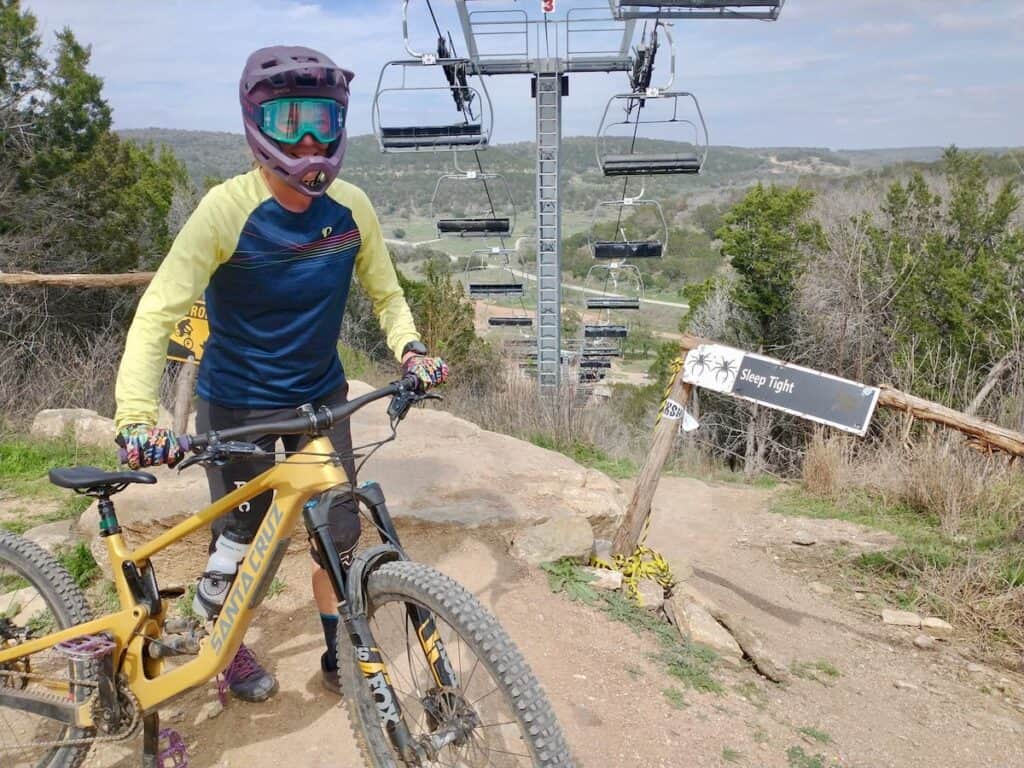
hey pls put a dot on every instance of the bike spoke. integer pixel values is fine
(477, 701)
(494, 740)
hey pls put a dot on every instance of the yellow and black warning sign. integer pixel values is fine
(190, 335)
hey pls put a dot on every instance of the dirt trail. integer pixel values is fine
(608, 692)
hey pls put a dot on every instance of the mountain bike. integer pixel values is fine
(428, 675)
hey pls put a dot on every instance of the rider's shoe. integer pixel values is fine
(246, 679)
(329, 677)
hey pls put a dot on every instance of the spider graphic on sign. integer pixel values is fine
(724, 369)
(697, 362)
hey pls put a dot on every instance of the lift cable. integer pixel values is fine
(641, 80)
(442, 46)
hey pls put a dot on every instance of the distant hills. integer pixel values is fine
(398, 182)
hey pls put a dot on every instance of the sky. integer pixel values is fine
(846, 75)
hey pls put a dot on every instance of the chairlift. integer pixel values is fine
(693, 133)
(488, 196)
(605, 331)
(613, 302)
(615, 285)
(463, 84)
(628, 245)
(666, 10)
(600, 351)
(489, 274)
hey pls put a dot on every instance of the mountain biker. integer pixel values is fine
(274, 250)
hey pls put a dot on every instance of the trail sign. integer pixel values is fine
(190, 334)
(804, 392)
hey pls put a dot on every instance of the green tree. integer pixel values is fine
(947, 272)
(444, 318)
(73, 198)
(768, 238)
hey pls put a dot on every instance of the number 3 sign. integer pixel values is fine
(548, 6)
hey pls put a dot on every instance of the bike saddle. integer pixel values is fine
(85, 478)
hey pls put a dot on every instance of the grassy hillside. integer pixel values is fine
(407, 182)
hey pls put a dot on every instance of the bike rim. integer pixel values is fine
(493, 735)
(25, 613)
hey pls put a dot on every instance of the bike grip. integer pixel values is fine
(411, 381)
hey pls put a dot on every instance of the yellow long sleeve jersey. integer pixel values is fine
(275, 285)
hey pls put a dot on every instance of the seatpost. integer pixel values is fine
(108, 518)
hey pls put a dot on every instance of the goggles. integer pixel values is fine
(288, 120)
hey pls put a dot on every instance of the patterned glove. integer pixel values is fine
(431, 371)
(145, 446)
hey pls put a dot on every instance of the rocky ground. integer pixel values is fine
(859, 691)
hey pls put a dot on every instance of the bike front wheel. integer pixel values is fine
(37, 597)
(504, 718)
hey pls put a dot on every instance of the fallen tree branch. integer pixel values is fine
(990, 436)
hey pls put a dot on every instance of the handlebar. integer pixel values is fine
(405, 392)
(310, 421)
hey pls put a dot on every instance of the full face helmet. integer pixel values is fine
(287, 92)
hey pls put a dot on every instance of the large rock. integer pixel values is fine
(53, 536)
(441, 469)
(568, 536)
(650, 594)
(604, 578)
(695, 623)
(88, 427)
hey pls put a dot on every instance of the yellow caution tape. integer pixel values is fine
(644, 563)
(676, 366)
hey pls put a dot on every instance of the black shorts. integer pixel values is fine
(245, 519)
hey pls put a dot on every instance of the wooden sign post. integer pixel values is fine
(665, 432)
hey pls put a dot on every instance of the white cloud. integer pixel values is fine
(801, 80)
(871, 30)
(961, 22)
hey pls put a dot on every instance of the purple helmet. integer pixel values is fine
(283, 71)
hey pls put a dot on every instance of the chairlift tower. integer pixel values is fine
(502, 39)
(507, 41)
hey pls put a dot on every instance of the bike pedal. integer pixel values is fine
(173, 753)
(86, 647)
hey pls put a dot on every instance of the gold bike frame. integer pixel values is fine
(294, 481)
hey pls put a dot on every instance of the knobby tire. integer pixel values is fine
(68, 606)
(480, 632)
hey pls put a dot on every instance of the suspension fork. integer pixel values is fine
(348, 582)
(372, 497)
(352, 610)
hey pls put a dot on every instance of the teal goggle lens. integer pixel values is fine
(288, 120)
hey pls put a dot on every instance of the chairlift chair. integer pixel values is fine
(499, 281)
(624, 246)
(674, 10)
(491, 217)
(630, 162)
(613, 285)
(605, 331)
(463, 84)
(602, 351)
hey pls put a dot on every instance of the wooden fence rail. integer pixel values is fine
(125, 279)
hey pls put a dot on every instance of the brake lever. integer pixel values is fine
(401, 403)
(221, 453)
